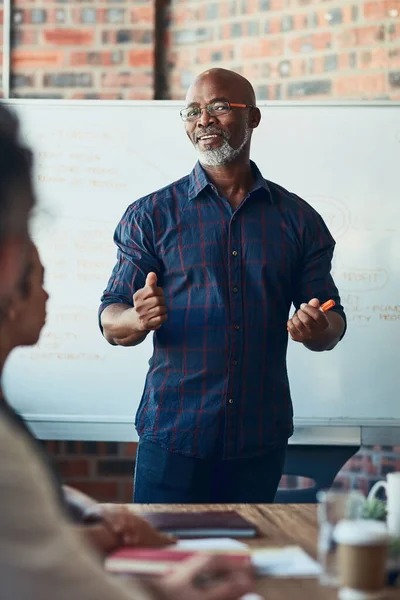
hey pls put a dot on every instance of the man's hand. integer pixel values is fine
(308, 322)
(124, 325)
(129, 529)
(149, 305)
(206, 578)
(316, 329)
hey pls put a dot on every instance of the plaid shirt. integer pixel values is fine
(217, 377)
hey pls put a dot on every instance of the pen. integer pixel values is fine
(327, 305)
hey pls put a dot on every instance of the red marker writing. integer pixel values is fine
(327, 305)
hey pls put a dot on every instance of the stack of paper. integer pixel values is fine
(211, 545)
(290, 561)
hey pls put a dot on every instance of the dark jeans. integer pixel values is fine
(164, 477)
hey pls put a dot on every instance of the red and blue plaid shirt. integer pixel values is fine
(217, 377)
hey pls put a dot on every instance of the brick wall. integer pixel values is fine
(102, 49)
(290, 49)
(104, 470)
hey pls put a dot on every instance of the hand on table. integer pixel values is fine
(130, 529)
(207, 578)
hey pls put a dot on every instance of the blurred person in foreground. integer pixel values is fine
(105, 527)
(42, 556)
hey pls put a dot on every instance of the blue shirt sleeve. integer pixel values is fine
(314, 278)
(135, 259)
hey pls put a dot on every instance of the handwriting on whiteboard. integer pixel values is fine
(360, 280)
(361, 311)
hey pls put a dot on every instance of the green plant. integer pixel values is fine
(374, 509)
(394, 548)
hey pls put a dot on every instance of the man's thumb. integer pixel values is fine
(314, 302)
(151, 280)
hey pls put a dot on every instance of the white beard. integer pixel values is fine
(223, 155)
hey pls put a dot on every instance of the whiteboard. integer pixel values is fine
(93, 159)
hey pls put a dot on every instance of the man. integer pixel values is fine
(211, 264)
(41, 554)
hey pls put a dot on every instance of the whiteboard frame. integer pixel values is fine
(121, 429)
(6, 48)
(173, 103)
(307, 431)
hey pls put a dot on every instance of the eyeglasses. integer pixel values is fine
(192, 113)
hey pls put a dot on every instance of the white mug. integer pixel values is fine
(392, 489)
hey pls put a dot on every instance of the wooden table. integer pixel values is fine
(280, 525)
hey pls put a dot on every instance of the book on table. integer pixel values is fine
(157, 561)
(227, 523)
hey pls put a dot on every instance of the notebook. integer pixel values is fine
(202, 524)
(286, 562)
(155, 561)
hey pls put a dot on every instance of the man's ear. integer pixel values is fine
(254, 117)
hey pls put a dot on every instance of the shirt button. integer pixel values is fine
(235, 289)
(234, 362)
(234, 253)
(236, 327)
(230, 400)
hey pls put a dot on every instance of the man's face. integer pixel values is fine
(218, 139)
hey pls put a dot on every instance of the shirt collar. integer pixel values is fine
(198, 181)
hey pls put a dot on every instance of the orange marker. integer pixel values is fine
(327, 305)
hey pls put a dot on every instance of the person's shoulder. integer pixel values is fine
(292, 204)
(289, 200)
(297, 211)
(162, 199)
(300, 214)
(10, 437)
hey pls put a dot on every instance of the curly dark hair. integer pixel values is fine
(15, 174)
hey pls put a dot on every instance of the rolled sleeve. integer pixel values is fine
(135, 259)
(315, 279)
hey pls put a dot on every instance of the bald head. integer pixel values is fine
(221, 117)
(234, 84)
